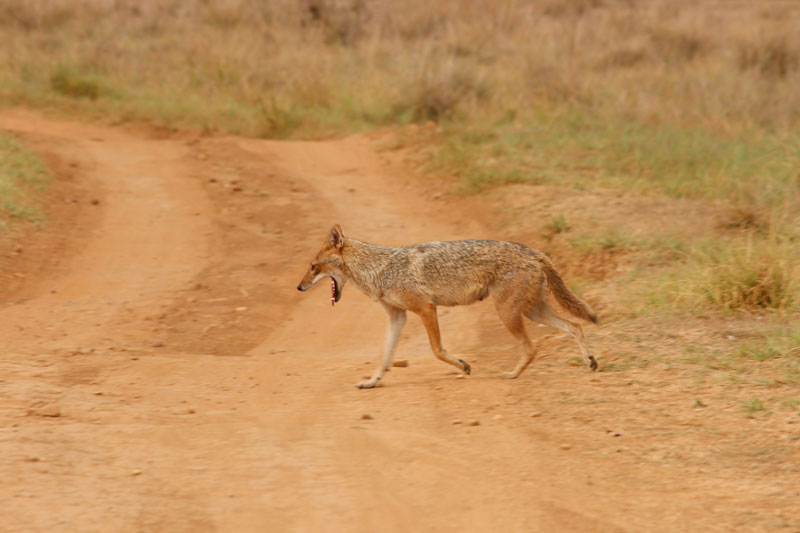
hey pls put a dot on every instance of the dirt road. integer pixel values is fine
(163, 374)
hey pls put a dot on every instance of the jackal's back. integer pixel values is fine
(458, 272)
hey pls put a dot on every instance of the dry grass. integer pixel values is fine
(344, 65)
(755, 275)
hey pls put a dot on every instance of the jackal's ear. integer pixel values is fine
(337, 236)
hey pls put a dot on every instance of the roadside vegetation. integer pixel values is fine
(678, 100)
(21, 175)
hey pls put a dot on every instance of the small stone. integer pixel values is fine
(366, 416)
(536, 414)
(461, 376)
(241, 309)
(401, 364)
(566, 446)
(497, 417)
(158, 344)
(44, 409)
(86, 351)
(136, 473)
(456, 422)
(474, 423)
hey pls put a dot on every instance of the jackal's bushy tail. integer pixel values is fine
(572, 303)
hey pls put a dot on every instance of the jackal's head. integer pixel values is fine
(327, 263)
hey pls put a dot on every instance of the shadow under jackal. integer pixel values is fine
(421, 277)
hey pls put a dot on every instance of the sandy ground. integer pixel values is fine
(160, 372)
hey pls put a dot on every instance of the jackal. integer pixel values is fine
(421, 277)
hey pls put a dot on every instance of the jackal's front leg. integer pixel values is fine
(397, 319)
(431, 321)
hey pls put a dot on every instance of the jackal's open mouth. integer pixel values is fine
(336, 292)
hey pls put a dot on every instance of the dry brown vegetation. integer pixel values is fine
(316, 67)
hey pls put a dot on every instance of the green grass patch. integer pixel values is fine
(582, 148)
(21, 174)
(779, 345)
(610, 240)
(771, 360)
(557, 224)
(712, 359)
(754, 405)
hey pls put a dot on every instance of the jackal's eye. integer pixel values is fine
(314, 268)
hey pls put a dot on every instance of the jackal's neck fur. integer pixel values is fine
(363, 263)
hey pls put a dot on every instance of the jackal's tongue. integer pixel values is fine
(333, 292)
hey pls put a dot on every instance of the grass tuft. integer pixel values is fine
(754, 405)
(21, 173)
(756, 275)
(556, 225)
(278, 120)
(69, 82)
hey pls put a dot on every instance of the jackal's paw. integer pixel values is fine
(508, 375)
(369, 384)
(593, 363)
(467, 368)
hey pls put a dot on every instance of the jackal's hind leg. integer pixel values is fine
(397, 319)
(431, 321)
(512, 319)
(545, 315)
